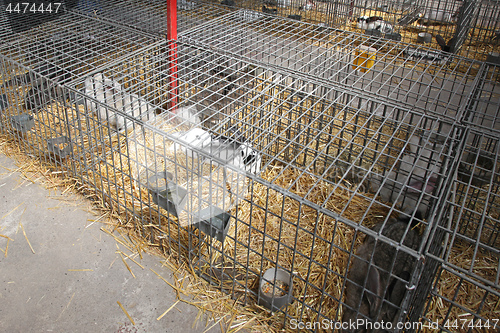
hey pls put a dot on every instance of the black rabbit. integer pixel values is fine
(41, 93)
(272, 11)
(45, 86)
(446, 47)
(379, 275)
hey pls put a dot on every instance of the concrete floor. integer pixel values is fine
(73, 278)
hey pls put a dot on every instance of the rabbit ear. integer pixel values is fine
(440, 40)
(373, 285)
(452, 40)
(418, 185)
(374, 19)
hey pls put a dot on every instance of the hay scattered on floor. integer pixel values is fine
(56, 120)
(211, 301)
(477, 46)
(297, 227)
(451, 288)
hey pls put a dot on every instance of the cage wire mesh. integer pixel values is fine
(309, 154)
(304, 157)
(150, 16)
(469, 256)
(416, 77)
(38, 62)
(469, 28)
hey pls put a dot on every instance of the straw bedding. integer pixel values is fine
(476, 46)
(298, 226)
(207, 184)
(269, 217)
(467, 295)
(58, 120)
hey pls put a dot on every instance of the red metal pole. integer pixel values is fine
(172, 51)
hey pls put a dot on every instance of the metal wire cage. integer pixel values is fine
(307, 159)
(467, 28)
(150, 16)
(310, 142)
(37, 63)
(428, 81)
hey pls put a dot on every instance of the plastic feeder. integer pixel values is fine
(213, 221)
(166, 193)
(60, 146)
(275, 288)
(23, 122)
(493, 57)
(364, 58)
(424, 37)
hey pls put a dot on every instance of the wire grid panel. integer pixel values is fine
(468, 28)
(37, 63)
(483, 107)
(72, 42)
(34, 114)
(136, 88)
(467, 284)
(150, 16)
(328, 13)
(316, 141)
(321, 162)
(414, 77)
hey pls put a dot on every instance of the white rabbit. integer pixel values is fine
(188, 114)
(240, 155)
(438, 15)
(278, 3)
(187, 5)
(111, 93)
(374, 23)
(196, 137)
(308, 5)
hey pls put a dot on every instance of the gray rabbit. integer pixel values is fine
(43, 91)
(379, 275)
(477, 167)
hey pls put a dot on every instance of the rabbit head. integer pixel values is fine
(362, 22)
(251, 159)
(111, 95)
(379, 274)
(414, 178)
(365, 22)
(374, 23)
(41, 93)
